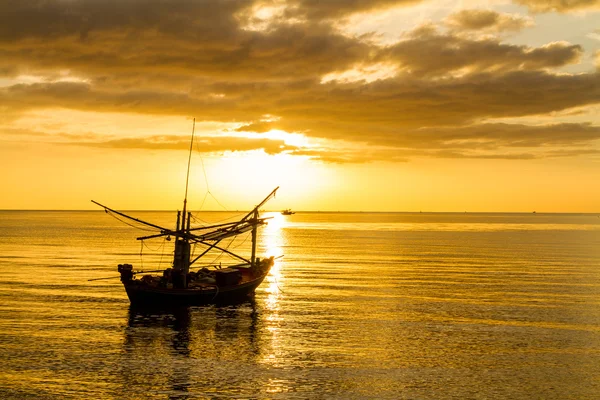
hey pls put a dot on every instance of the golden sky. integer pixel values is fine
(373, 105)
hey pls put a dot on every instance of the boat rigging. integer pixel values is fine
(178, 284)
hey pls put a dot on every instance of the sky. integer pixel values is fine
(346, 105)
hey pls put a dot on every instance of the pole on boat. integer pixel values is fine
(254, 229)
(187, 178)
(181, 258)
(272, 194)
(107, 209)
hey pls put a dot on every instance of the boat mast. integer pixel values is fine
(254, 229)
(181, 258)
(187, 178)
(255, 222)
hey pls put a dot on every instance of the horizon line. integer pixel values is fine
(320, 211)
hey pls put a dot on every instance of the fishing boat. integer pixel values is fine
(212, 284)
(287, 211)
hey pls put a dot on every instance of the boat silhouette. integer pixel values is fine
(213, 284)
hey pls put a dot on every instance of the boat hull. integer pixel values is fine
(144, 295)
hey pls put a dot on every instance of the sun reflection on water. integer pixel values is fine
(275, 222)
(273, 240)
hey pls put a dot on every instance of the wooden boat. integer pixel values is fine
(287, 211)
(179, 285)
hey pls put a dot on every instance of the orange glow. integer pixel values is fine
(347, 106)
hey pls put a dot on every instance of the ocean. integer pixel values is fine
(360, 306)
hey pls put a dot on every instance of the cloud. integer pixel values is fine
(22, 133)
(354, 155)
(380, 110)
(473, 155)
(560, 5)
(199, 58)
(54, 19)
(487, 136)
(178, 41)
(425, 52)
(217, 144)
(204, 144)
(487, 20)
(594, 34)
(125, 47)
(478, 141)
(258, 127)
(318, 9)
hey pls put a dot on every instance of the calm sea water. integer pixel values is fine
(362, 306)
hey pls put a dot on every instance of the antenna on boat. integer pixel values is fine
(187, 178)
(181, 256)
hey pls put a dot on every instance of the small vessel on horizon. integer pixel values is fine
(179, 285)
(287, 211)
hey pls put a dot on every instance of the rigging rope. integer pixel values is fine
(129, 223)
(155, 250)
(229, 245)
(218, 202)
(203, 200)
(161, 246)
(206, 182)
(243, 241)
(201, 221)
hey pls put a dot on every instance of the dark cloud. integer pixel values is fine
(496, 135)
(204, 144)
(193, 39)
(318, 9)
(217, 22)
(486, 20)
(383, 111)
(296, 50)
(480, 141)
(377, 112)
(201, 59)
(52, 19)
(425, 52)
(127, 49)
(86, 97)
(559, 5)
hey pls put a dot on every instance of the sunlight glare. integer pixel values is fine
(273, 240)
(366, 73)
(292, 139)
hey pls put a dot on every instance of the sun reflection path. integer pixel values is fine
(273, 241)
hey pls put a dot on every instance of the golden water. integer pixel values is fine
(362, 306)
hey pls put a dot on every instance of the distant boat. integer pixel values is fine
(287, 211)
(178, 285)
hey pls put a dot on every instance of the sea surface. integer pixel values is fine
(360, 306)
